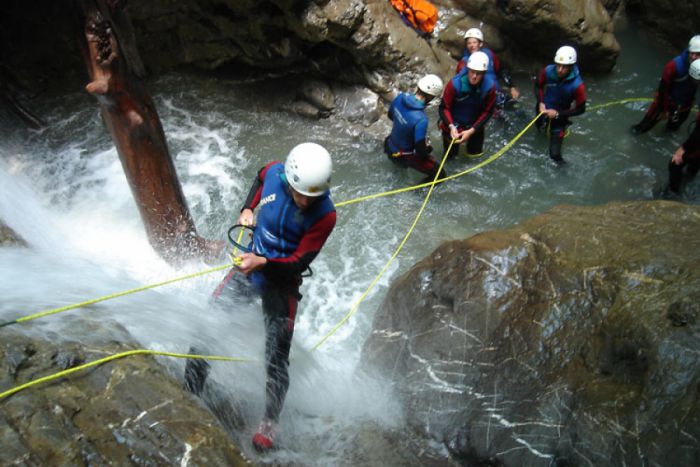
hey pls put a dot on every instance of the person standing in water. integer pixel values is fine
(408, 144)
(687, 156)
(467, 105)
(295, 218)
(560, 94)
(474, 42)
(674, 97)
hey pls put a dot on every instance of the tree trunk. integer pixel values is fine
(116, 72)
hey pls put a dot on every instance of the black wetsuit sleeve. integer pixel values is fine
(692, 144)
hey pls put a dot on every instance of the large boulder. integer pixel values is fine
(127, 412)
(672, 21)
(570, 339)
(536, 28)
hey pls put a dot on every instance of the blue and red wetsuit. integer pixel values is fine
(496, 69)
(565, 95)
(408, 144)
(467, 106)
(290, 239)
(674, 97)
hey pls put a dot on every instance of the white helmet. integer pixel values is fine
(566, 55)
(694, 44)
(430, 85)
(475, 33)
(694, 70)
(478, 61)
(308, 169)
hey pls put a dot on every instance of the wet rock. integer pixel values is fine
(318, 93)
(536, 29)
(358, 105)
(570, 339)
(305, 109)
(130, 411)
(673, 22)
(8, 237)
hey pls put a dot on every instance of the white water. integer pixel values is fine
(64, 191)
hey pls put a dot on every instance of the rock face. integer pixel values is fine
(536, 28)
(570, 339)
(127, 412)
(8, 237)
(357, 42)
(675, 22)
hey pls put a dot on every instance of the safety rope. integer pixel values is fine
(339, 204)
(114, 295)
(352, 311)
(129, 353)
(432, 184)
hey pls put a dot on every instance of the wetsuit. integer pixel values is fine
(290, 239)
(467, 106)
(691, 159)
(674, 97)
(408, 144)
(496, 69)
(559, 94)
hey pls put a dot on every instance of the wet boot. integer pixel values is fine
(264, 439)
(642, 127)
(196, 372)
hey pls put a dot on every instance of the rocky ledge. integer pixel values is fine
(570, 339)
(127, 412)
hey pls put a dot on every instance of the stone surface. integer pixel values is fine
(570, 339)
(673, 22)
(536, 28)
(126, 412)
(8, 237)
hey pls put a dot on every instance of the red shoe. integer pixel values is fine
(264, 439)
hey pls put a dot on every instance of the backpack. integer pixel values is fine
(421, 15)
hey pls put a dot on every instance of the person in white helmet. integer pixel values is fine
(474, 42)
(674, 97)
(295, 217)
(408, 144)
(687, 156)
(560, 94)
(467, 105)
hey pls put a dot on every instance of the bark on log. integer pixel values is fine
(116, 73)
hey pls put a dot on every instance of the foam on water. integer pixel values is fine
(64, 191)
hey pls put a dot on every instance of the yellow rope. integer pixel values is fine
(393, 256)
(114, 295)
(352, 311)
(340, 204)
(432, 184)
(129, 353)
(621, 101)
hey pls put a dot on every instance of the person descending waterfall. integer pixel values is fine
(688, 154)
(474, 42)
(467, 104)
(558, 87)
(674, 97)
(295, 217)
(408, 144)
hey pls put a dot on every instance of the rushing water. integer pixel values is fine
(64, 191)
